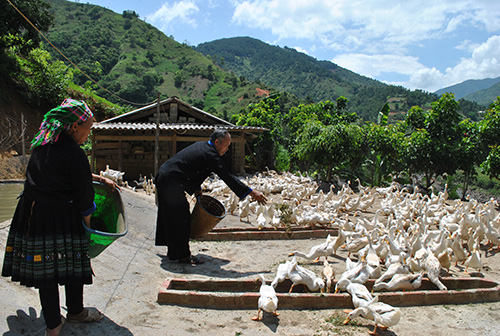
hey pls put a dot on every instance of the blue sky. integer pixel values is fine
(417, 44)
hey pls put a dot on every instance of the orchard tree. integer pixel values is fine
(490, 132)
(417, 150)
(435, 137)
(265, 113)
(385, 148)
(331, 148)
(470, 152)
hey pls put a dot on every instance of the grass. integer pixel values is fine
(335, 325)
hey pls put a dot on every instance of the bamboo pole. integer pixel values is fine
(157, 134)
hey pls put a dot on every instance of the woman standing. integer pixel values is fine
(46, 245)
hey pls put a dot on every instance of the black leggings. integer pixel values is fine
(49, 298)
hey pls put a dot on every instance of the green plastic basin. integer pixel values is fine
(107, 223)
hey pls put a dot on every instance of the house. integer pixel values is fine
(138, 142)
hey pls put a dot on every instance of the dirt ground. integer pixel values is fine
(129, 274)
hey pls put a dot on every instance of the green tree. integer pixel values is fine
(470, 152)
(265, 113)
(417, 149)
(43, 81)
(385, 146)
(12, 23)
(331, 147)
(490, 132)
(440, 142)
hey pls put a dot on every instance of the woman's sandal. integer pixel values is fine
(87, 315)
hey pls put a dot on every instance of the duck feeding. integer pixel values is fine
(244, 294)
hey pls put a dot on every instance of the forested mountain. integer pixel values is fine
(134, 60)
(288, 70)
(284, 68)
(485, 96)
(468, 87)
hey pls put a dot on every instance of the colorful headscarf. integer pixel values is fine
(60, 118)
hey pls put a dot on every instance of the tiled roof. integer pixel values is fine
(172, 127)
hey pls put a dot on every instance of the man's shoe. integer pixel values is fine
(191, 260)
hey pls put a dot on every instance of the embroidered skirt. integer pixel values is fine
(47, 245)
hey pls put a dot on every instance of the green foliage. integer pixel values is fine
(433, 148)
(383, 115)
(491, 138)
(12, 23)
(385, 145)
(332, 147)
(42, 81)
(265, 114)
(283, 159)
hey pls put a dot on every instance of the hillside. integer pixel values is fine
(135, 61)
(288, 70)
(468, 87)
(485, 96)
(284, 68)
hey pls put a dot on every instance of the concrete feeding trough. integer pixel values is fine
(244, 294)
(267, 233)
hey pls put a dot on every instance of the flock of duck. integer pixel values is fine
(409, 236)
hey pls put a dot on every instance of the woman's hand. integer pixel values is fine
(86, 220)
(110, 183)
(258, 196)
(107, 181)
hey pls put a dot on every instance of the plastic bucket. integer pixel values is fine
(107, 222)
(207, 212)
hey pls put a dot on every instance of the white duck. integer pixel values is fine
(382, 314)
(282, 272)
(458, 251)
(445, 259)
(359, 273)
(328, 274)
(403, 282)
(360, 295)
(339, 241)
(433, 268)
(276, 220)
(261, 221)
(474, 260)
(372, 259)
(441, 244)
(395, 268)
(232, 203)
(354, 244)
(300, 275)
(322, 250)
(493, 236)
(268, 301)
(244, 210)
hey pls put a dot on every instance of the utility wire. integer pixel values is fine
(91, 79)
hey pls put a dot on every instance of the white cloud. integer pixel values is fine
(429, 79)
(366, 26)
(181, 12)
(375, 65)
(483, 63)
(302, 50)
